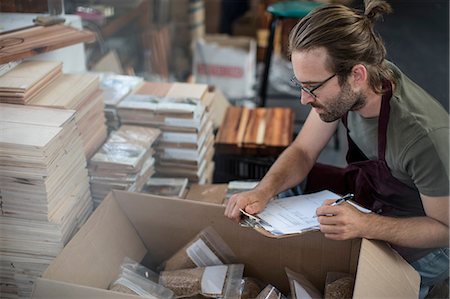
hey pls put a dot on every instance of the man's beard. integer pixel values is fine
(347, 100)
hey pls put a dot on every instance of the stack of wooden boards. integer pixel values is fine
(44, 190)
(44, 186)
(40, 83)
(124, 162)
(26, 80)
(260, 131)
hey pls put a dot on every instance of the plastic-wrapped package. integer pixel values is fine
(206, 249)
(133, 266)
(301, 287)
(138, 280)
(222, 281)
(270, 292)
(250, 288)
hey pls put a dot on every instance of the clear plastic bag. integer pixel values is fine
(205, 249)
(250, 288)
(138, 280)
(133, 266)
(270, 292)
(301, 287)
(222, 281)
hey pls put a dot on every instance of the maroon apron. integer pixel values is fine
(371, 181)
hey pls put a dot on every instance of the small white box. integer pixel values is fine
(228, 63)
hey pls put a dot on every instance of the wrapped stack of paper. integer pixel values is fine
(124, 162)
(174, 187)
(44, 190)
(186, 147)
(115, 88)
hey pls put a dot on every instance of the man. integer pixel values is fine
(398, 139)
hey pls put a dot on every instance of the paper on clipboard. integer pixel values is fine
(291, 215)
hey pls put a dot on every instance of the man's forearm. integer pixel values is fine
(288, 170)
(417, 232)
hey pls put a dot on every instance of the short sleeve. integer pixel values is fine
(427, 162)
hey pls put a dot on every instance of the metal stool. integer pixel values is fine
(279, 11)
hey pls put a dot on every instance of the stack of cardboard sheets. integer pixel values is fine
(44, 190)
(80, 93)
(124, 162)
(186, 147)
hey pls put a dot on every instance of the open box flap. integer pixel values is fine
(51, 289)
(93, 257)
(383, 273)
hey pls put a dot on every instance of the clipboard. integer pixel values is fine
(275, 220)
(254, 222)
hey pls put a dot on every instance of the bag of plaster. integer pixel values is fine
(270, 292)
(223, 281)
(138, 280)
(250, 287)
(301, 288)
(207, 248)
(339, 285)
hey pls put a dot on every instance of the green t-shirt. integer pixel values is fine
(417, 151)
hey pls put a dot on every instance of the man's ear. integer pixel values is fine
(359, 76)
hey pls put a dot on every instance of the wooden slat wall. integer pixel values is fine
(256, 128)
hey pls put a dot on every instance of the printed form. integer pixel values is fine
(294, 214)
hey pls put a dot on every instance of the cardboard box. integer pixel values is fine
(228, 63)
(138, 225)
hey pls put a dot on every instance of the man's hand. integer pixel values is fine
(252, 202)
(341, 222)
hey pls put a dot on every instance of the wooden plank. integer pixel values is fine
(26, 134)
(228, 132)
(154, 88)
(261, 125)
(38, 40)
(67, 91)
(188, 90)
(35, 115)
(243, 123)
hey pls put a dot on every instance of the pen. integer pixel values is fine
(343, 199)
(338, 202)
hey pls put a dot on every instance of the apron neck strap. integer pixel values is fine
(383, 119)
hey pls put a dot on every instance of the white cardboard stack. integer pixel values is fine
(44, 190)
(186, 147)
(227, 62)
(81, 93)
(115, 88)
(124, 162)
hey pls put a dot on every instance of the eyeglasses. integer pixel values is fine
(310, 91)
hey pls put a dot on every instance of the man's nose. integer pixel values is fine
(306, 98)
